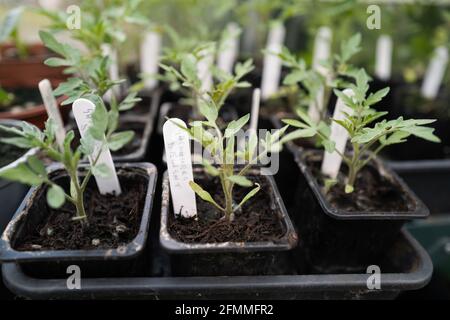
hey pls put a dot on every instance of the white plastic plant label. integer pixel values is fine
(322, 49)
(383, 59)
(254, 115)
(271, 71)
(82, 110)
(229, 48)
(50, 4)
(149, 60)
(51, 107)
(332, 161)
(179, 166)
(435, 73)
(204, 69)
(108, 51)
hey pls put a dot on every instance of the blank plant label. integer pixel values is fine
(332, 161)
(52, 109)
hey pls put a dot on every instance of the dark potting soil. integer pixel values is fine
(373, 192)
(257, 221)
(113, 220)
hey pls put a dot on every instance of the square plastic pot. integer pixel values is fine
(335, 240)
(126, 259)
(229, 258)
(429, 179)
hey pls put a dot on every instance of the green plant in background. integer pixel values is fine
(92, 78)
(6, 98)
(181, 74)
(184, 20)
(9, 31)
(221, 143)
(102, 22)
(302, 83)
(415, 30)
(362, 137)
(32, 170)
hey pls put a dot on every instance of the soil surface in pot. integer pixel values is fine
(373, 192)
(113, 220)
(257, 221)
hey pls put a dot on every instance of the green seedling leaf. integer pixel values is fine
(21, 172)
(249, 195)
(240, 180)
(119, 139)
(236, 125)
(349, 188)
(10, 23)
(208, 110)
(101, 170)
(203, 194)
(210, 169)
(55, 196)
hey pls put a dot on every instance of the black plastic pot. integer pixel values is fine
(230, 258)
(11, 193)
(430, 180)
(406, 266)
(125, 260)
(337, 240)
(410, 104)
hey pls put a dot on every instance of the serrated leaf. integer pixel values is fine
(37, 166)
(50, 42)
(377, 96)
(101, 170)
(68, 86)
(19, 142)
(425, 133)
(119, 139)
(208, 110)
(188, 67)
(329, 146)
(236, 125)
(21, 172)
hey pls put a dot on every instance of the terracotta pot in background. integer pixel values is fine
(16, 73)
(26, 73)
